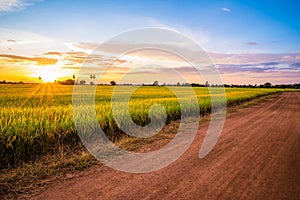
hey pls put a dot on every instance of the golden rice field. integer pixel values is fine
(37, 119)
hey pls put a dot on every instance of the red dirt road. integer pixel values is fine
(256, 157)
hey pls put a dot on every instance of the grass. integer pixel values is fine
(31, 177)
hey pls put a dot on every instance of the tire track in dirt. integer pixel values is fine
(256, 157)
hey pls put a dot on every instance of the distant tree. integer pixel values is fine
(197, 85)
(267, 85)
(113, 83)
(67, 82)
(178, 83)
(206, 84)
(155, 83)
(92, 76)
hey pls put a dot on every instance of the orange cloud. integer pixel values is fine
(53, 53)
(39, 60)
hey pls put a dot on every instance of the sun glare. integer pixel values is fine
(50, 73)
(49, 76)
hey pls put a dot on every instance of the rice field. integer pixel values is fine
(36, 119)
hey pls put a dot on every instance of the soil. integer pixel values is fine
(256, 157)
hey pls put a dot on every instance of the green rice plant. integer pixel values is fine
(36, 119)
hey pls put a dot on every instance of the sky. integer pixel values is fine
(250, 42)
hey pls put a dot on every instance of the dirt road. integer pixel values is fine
(256, 157)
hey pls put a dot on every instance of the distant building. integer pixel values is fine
(82, 82)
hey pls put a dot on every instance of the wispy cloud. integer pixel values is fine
(295, 65)
(15, 5)
(226, 9)
(251, 43)
(254, 58)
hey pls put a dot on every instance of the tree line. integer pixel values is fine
(155, 83)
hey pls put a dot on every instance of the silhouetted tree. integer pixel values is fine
(67, 82)
(113, 83)
(92, 76)
(267, 85)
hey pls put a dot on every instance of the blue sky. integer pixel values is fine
(221, 27)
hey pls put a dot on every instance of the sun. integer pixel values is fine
(48, 75)
(51, 73)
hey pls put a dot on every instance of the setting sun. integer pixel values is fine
(50, 73)
(49, 76)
